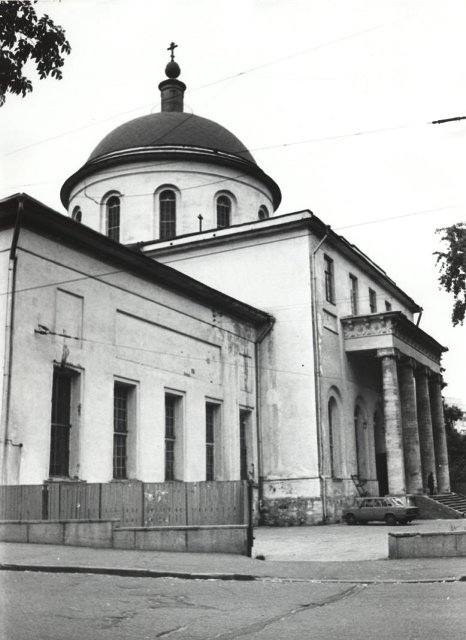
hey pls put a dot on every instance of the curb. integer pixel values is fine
(128, 573)
(239, 577)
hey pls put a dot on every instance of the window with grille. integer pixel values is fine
(223, 211)
(120, 431)
(329, 280)
(171, 427)
(210, 420)
(61, 425)
(372, 301)
(243, 444)
(354, 295)
(113, 218)
(167, 214)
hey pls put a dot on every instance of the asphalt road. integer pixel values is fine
(42, 606)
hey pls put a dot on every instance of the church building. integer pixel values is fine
(176, 327)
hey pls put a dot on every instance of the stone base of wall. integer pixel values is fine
(290, 512)
(99, 533)
(192, 539)
(77, 533)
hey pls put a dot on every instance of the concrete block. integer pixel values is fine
(89, 534)
(460, 545)
(124, 539)
(217, 540)
(444, 544)
(46, 532)
(161, 539)
(13, 532)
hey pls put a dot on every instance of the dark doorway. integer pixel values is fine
(382, 474)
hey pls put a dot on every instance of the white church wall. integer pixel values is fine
(272, 272)
(355, 382)
(196, 184)
(134, 332)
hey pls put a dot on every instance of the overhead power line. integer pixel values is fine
(444, 120)
(218, 81)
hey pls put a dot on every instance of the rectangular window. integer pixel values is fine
(354, 295)
(372, 301)
(243, 443)
(61, 424)
(210, 420)
(120, 431)
(173, 437)
(170, 437)
(329, 280)
(388, 305)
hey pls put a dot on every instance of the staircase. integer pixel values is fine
(455, 501)
(444, 505)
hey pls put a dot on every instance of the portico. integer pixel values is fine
(411, 386)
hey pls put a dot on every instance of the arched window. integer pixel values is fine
(77, 214)
(167, 210)
(223, 211)
(334, 427)
(263, 213)
(113, 218)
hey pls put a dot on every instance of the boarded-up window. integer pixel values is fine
(69, 315)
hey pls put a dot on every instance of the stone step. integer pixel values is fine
(453, 501)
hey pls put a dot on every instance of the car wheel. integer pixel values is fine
(390, 520)
(350, 519)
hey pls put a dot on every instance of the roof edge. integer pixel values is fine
(169, 152)
(307, 219)
(40, 217)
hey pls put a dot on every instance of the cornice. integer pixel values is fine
(169, 152)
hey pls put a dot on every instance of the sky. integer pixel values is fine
(334, 98)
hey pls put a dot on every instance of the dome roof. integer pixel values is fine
(171, 129)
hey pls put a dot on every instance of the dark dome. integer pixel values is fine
(171, 129)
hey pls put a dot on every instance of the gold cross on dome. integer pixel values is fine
(172, 48)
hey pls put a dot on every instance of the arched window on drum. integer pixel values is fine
(224, 208)
(112, 226)
(167, 214)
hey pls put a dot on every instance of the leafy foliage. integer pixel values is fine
(456, 443)
(453, 268)
(26, 36)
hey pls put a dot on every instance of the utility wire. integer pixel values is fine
(269, 147)
(214, 82)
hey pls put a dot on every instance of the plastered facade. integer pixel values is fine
(104, 324)
(307, 463)
(197, 185)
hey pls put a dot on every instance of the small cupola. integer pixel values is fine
(172, 90)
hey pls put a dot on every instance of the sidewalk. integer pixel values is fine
(332, 552)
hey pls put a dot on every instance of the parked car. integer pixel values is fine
(390, 509)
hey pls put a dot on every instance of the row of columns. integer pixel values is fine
(417, 456)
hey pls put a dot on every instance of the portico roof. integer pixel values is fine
(391, 330)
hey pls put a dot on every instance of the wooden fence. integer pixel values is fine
(133, 503)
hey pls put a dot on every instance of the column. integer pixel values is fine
(424, 421)
(412, 453)
(391, 408)
(440, 439)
